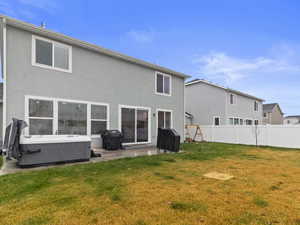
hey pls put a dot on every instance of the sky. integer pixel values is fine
(250, 45)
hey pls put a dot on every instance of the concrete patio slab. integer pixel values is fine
(10, 166)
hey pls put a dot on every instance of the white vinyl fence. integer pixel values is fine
(264, 135)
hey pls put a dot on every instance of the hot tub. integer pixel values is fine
(39, 150)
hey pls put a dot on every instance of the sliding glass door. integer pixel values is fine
(128, 124)
(135, 124)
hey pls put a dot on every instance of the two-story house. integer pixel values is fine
(272, 114)
(292, 120)
(64, 86)
(211, 104)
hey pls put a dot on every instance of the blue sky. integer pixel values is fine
(249, 45)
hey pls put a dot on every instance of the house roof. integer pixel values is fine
(295, 116)
(76, 42)
(267, 108)
(196, 81)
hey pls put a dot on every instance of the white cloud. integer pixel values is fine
(141, 36)
(220, 66)
(7, 9)
(26, 8)
(47, 5)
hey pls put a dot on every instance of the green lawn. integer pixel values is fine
(164, 189)
(1, 161)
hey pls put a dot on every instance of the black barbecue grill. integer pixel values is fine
(112, 140)
(168, 139)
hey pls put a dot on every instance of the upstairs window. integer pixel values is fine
(232, 99)
(163, 84)
(255, 106)
(51, 54)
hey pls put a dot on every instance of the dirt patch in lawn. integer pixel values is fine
(265, 190)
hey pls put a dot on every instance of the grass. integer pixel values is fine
(164, 189)
(1, 161)
(260, 202)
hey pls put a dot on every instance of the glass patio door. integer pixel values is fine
(135, 124)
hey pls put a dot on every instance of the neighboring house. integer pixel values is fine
(64, 86)
(293, 120)
(211, 104)
(272, 114)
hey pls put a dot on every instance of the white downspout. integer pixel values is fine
(4, 75)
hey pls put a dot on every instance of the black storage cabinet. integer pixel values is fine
(168, 139)
(112, 140)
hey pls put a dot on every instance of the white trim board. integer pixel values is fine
(4, 77)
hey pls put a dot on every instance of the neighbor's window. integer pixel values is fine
(230, 121)
(51, 54)
(72, 118)
(40, 117)
(256, 122)
(98, 119)
(248, 122)
(236, 121)
(241, 121)
(164, 119)
(232, 99)
(255, 106)
(265, 114)
(163, 84)
(217, 121)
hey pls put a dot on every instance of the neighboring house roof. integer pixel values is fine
(268, 108)
(295, 116)
(76, 42)
(196, 81)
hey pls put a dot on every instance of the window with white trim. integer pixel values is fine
(241, 122)
(164, 119)
(40, 118)
(163, 84)
(50, 54)
(98, 119)
(216, 121)
(232, 99)
(249, 122)
(235, 121)
(255, 106)
(72, 118)
(65, 117)
(256, 122)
